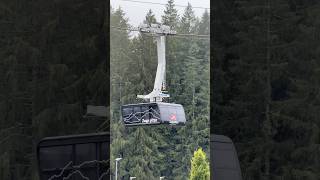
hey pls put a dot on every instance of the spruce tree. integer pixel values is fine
(170, 17)
(199, 166)
(263, 67)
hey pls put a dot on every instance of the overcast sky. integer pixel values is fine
(136, 12)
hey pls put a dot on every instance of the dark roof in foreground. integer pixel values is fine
(224, 163)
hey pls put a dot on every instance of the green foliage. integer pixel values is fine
(199, 166)
(266, 77)
(170, 16)
(52, 64)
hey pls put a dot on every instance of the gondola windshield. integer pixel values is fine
(153, 113)
(141, 114)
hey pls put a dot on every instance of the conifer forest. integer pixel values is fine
(52, 65)
(265, 85)
(150, 152)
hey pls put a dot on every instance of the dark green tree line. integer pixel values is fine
(263, 86)
(53, 63)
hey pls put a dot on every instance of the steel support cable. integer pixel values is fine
(178, 5)
(184, 36)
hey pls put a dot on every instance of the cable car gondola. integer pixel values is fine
(153, 113)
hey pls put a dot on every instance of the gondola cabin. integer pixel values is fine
(153, 114)
(74, 157)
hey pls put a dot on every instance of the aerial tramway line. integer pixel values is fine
(155, 111)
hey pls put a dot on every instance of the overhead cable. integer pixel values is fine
(145, 2)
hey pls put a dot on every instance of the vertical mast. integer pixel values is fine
(161, 68)
(160, 32)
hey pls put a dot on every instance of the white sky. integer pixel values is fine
(136, 12)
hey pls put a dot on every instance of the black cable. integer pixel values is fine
(144, 2)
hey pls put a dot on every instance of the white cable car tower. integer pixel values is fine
(159, 89)
(155, 111)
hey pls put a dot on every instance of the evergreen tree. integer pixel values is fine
(50, 69)
(199, 166)
(188, 21)
(150, 18)
(263, 87)
(204, 27)
(170, 16)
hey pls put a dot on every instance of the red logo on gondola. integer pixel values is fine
(173, 117)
